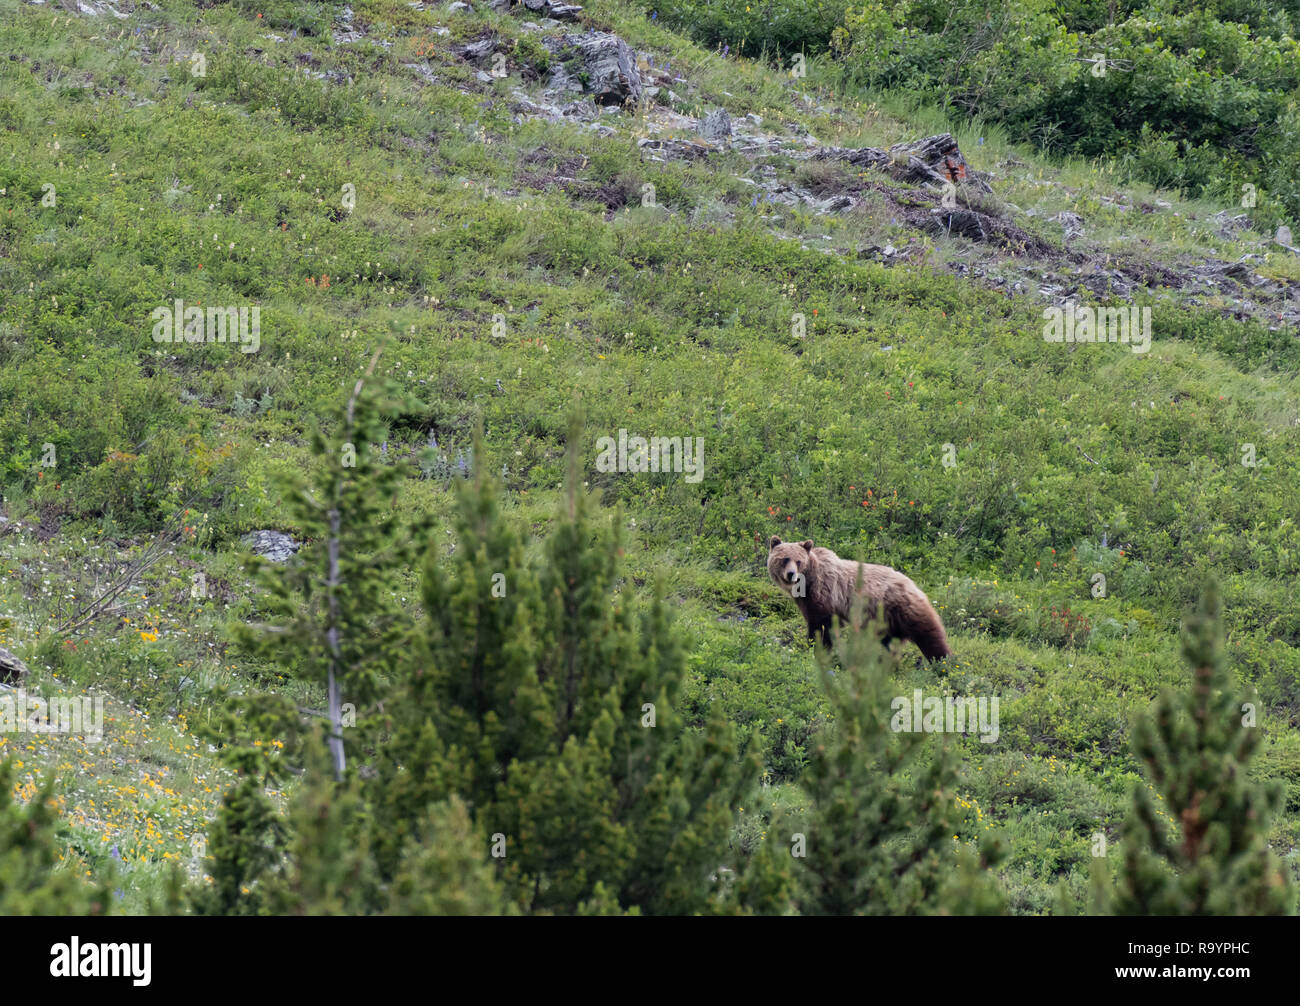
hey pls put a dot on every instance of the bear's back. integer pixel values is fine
(876, 579)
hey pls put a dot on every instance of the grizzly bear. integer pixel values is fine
(822, 583)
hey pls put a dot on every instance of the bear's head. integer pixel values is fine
(789, 563)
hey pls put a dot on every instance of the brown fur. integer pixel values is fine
(828, 593)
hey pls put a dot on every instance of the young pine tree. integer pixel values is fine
(1197, 745)
(545, 702)
(334, 617)
(334, 610)
(879, 838)
(31, 882)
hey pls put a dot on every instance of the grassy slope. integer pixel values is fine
(668, 320)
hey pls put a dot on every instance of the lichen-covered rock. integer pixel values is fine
(602, 63)
(859, 157)
(665, 149)
(12, 670)
(1071, 224)
(562, 81)
(477, 52)
(274, 546)
(934, 160)
(716, 125)
(549, 8)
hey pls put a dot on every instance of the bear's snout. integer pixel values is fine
(791, 574)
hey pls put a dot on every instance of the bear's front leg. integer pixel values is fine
(820, 628)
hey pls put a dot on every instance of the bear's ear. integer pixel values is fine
(806, 545)
(774, 542)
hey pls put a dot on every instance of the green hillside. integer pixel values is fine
(859, 348)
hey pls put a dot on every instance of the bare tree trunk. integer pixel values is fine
(336, 656)
(333, 583)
